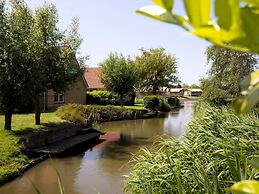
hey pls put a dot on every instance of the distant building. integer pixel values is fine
(92, 76)
(176, 92)
(193, 92)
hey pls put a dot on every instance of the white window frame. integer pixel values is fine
(61, 98)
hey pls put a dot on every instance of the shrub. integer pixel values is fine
(174, 102)
(164, 106)
(156, 103)
(102, 97)
(139, 101)
(210, 158)
(88, 114)
(152, 102)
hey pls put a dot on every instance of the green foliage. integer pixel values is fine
(210, 158)
(16, 56)
(102, 97)
(156, 103)
(88, 114)
(247, 186)
(164, 105)
(235, 26)
(174, 102)
(250, 86)
(228, 68)
(57, 66)
(12, 160)
(74, 40)
(157, 69)
(35, 57)
(119, 75)
(152, 102)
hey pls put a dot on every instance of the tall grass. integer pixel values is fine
(211, 157)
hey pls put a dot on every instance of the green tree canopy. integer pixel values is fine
(56, 62)
(16, 57)
(119, 75)
(34, 56)
(228, 68)
(157, 69)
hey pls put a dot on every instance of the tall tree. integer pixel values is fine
(119, 75)
(56, 62)
(16, 59)
(157, 69)
(74, 40)
(228, 68)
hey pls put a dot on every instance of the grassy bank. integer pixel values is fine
(22, 123)
(12, 160)
(212, 156)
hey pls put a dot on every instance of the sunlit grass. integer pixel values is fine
(11, 160)
(26, 122)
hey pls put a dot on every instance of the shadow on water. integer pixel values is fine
(99, 168)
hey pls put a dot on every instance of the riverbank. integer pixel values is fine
(101, 169)
(14, 160)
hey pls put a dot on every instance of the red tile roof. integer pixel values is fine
(92, 77)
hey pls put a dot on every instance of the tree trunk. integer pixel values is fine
(8, 120)
(154, 90)
(121, 100)
(37, 110)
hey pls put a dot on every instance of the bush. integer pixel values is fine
(88, 114)
(164, 106)
(152, 102)
(211, 157)
(156, 103)
(102, 97)
(174, 102)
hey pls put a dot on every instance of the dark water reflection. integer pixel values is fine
(101, 169)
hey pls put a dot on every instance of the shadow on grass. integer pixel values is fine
(43, 127)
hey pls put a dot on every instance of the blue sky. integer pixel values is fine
(113, 26)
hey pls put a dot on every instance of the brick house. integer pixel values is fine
(77, 92)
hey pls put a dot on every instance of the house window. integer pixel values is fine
(59, 98)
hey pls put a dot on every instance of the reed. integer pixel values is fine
(211, 157)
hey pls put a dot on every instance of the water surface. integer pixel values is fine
(101, 169)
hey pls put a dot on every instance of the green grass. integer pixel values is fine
(22, 123)
(136, 107)
(11, 160)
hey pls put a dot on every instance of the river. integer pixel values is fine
(101, 168)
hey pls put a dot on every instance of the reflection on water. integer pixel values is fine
(176, 121)
(101, 169)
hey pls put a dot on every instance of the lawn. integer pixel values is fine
(136, 107)
(12, 160)
(25, 122)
